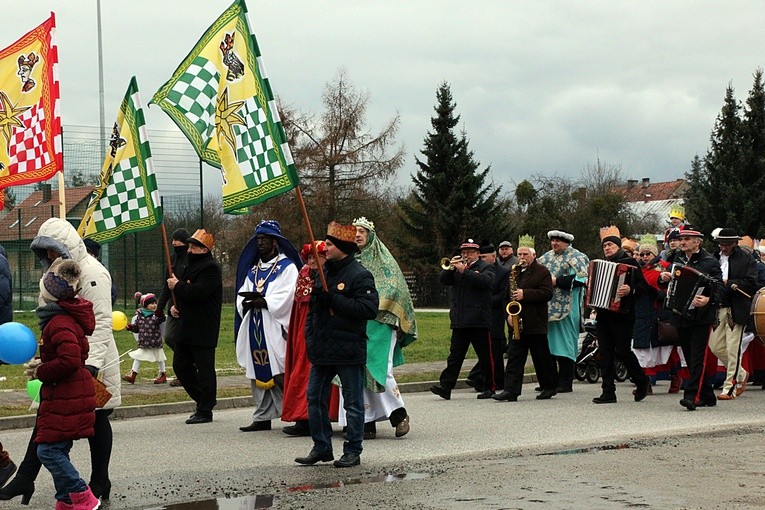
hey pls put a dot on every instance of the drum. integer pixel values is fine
(758, 314)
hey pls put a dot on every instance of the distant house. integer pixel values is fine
(22, 222)
(644, 198)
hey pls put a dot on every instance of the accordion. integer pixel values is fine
(686, 284)
(603, 280)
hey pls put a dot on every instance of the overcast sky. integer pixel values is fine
(541, 86)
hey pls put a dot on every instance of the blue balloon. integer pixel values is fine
(18, 343)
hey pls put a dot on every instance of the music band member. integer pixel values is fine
(568, 267)
(693, 331)
(532, 288)
(614, 329)
(739, 278)
(470, 316)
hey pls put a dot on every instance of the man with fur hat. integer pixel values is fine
(57, 238)
(266, 276)
(394, 327)
(470, 279)
(178, 262)
(614, 329)
(568, 267)
(693, 330)
(739, 280)
(198, 299)
(336, 342)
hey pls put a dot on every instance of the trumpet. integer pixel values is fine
(447, 264)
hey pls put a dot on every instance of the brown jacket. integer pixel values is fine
(536, 283)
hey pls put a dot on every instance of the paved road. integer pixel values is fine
(469, 453)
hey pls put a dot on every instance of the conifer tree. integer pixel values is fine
(450, 200)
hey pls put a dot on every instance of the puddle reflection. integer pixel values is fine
(268, 500)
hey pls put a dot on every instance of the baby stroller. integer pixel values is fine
(588, 361)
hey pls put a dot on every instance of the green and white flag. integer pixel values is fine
(126, 199)
(221, 99)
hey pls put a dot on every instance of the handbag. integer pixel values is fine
(667, 333)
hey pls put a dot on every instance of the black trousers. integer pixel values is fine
(100, 451)
(195, 367)
(694, 340)
(498, 349)
(615, 342)
(518, 353)
(565, 368)
(462, 339)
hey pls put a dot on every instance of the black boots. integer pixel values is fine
(20, 486)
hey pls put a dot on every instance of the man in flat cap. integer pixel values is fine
(505, 256)
(568, 267)
(739, 279)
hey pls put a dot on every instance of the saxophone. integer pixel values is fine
(514, 307)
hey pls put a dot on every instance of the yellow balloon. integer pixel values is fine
(119, 320)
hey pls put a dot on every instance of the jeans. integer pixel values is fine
(55, 458)
(319, 384)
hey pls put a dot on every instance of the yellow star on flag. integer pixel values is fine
(9, 117)
(226, 117)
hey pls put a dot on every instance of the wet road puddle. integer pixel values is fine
(588, 449)
(268, 500)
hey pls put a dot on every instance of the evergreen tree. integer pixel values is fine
(450, 200)
(717, 194)
(754, 164)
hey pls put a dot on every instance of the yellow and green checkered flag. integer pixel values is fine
(126, 199)
(221, 99)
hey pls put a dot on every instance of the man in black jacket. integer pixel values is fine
(470, 314)
(614, 329)
(178, 262)
(336, 344)
(198, 299)
(739, 277)
(534, 290)
(693, 331)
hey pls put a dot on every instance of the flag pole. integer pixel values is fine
(167, 258)
(310, 237)
(61, 195)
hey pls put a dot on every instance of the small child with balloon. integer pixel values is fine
(146, 325)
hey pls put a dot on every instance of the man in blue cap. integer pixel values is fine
(265, 280)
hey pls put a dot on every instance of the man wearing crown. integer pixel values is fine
(336, 343)
(198, 290)
(266, 276)
(568, 267)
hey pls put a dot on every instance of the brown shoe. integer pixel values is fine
(130, 377)
(674, 384)
(725, 396)
(162, 379)
(175, 383)
(402, 428)
(741, 386)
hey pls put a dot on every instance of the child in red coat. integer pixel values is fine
(67, 396)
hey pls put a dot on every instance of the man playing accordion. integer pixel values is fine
(693, 324)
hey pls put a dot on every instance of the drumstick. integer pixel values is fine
(735, 287)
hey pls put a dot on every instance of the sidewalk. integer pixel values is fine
(146, 387)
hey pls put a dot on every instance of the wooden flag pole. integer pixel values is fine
(167, 258)
(310, 238)
(61, 195)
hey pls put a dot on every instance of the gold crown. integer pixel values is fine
(340, 232)
(609, 231)
(203, 238)
(629, 244)
(677, 211)
(526, 241)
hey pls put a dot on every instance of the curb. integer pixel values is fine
(128, 412)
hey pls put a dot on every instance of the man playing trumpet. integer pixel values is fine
(470, 279)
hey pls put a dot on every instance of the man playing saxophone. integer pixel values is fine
(533, 291)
